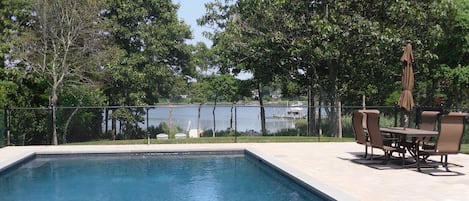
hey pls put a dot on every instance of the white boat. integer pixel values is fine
(294, 111)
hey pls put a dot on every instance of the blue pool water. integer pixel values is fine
(145, 177)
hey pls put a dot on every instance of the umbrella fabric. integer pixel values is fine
(406, 101)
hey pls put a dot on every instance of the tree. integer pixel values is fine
(450, 78)
(13, 15)
(236, 49)
(61, 38)
(202, 59)
(76, 122)
(322, 44)
(221, 87)
(151, 51)
(198, 94)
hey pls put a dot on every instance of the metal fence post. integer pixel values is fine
(236, 124)
(50, 136)
(5, 122)
(148, 132)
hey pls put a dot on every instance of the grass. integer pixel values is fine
(241, 139)
(465, 148)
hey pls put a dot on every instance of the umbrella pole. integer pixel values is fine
(404, 118)
(363, 101)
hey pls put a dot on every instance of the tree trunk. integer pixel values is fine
(170, 120)
(311, 112)
(113, 126)
(231, 116)
(262, 111)
(54, 114)
(339, 119)
(54, 126)
(213, 113)
(198, 118)
(333, 74)
(106, 118)
(64, 137)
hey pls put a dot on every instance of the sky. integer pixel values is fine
(190, 11)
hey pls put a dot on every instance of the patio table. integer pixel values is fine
(409, 132)
(405, 133)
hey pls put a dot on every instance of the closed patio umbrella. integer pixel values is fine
(406, 100)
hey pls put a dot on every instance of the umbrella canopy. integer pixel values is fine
(406, 101)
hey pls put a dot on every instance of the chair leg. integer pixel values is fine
(366, 151)
(403, 159)
(418, 161)
(387, 156)
(445, 164)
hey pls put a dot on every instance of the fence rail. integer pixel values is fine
(27, 126)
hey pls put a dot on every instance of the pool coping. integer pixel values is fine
(25, 153)
(325, 191)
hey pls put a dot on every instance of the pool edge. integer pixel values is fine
(325, 191)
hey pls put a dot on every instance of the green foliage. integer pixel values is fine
(223, 87)
(202, 57)
(125, 114)
(147, 58)
(30, 126)
(151, 55)
(455, 83)
(466, 136)
(83, 126)
(21, 89)
(198, 92)
(346, 49)
(7, 88)
(393, 98)
(153, 130)
(340, 50)
(13, 14)
(58, 44)
(450, 76)
(134, 53)
(75, 125)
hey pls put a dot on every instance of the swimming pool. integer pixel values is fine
(148, 176)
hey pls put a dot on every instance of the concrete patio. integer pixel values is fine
(333, 168)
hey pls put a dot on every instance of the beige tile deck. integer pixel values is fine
(327, 166)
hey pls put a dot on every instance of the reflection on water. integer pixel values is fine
(245, 118)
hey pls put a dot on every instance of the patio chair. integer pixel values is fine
(364, 112)
(429, 121)
(358, 130)
(448, 141)
(378, 141)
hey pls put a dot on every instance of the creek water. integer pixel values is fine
(244, 118)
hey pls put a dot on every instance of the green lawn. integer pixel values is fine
(465, 148)
(243, 139)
